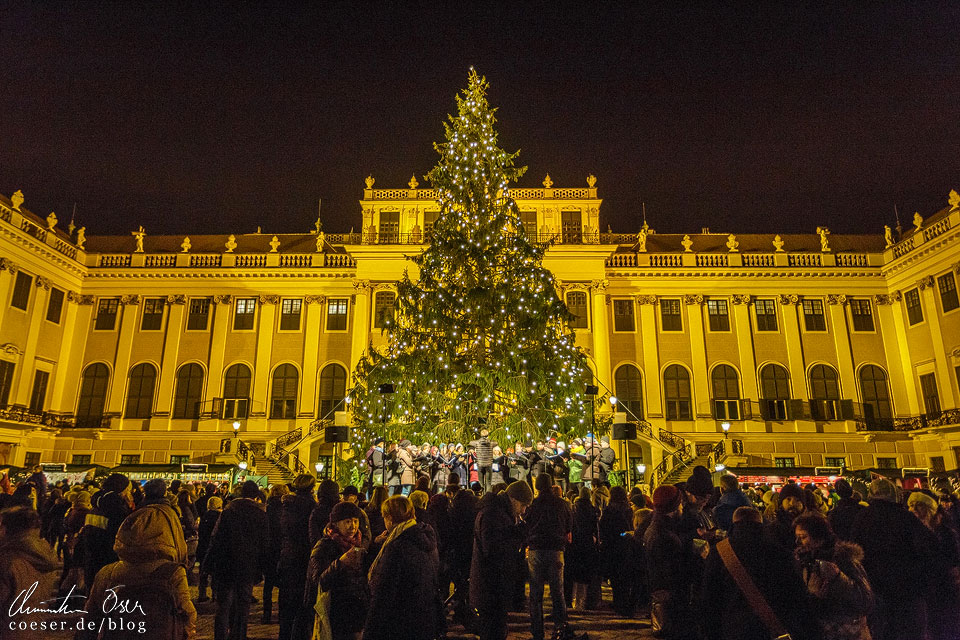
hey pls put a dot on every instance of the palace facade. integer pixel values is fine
(757, 351)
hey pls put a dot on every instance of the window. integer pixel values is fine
(529, 221)
(670, 319)
(236, 392)
(290, 314)
(21, 291)
(55, 305)
(189, 391)
(39, 393)
(766, 311)
(936, 464)
(130, 458)
(333, 389)
(429, 219)
(337, 314)
(283, 396)
(862, 314)
(243, 314)
(824, 393)
(931, 397)
(107, 309)
(383, 309)
(676, 388)
(31, 459)
(152, 319)
(570, 226)
(834, 462)
(784, 463)
(948, 292)
(180, 459)
(813, 318)
(914, 310)
(389, 232)
(80, 458)
(6, 381)
(199, 314)
(719, 318)
(628, 386)
(93, 395)
(623, 315)
(577, 306)
(774, 392)
(876, 397)
(143, 380)
(886, 463)
(726, 393)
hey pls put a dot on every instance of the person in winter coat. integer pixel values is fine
(294, 552)
(408, 474)
(726, 613)
(274, 509)
(55, 509)
(190, 520)
(617, 519)
(485, 455)
(731, 499)
(113, 503)
(336, 566)
(392, 468)
(548, 527)
(497, 538)
(208, 522)
(944, 609)
(792, 504)
(403, 578)
(499, 467)
(151, 571)
(25, 560)
(845, 512)
(583, 561)
(72, 524)
(328, 495)
(835, 578)
(372, 510)
(459, 548)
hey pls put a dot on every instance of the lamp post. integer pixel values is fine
(319, 468)
(641, 470)
(236, 428)
(385, 389)
(726, 429)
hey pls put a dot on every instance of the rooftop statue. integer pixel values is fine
(823, 232)
(778, 243)
(732, 244)
(139, 235)
(888, 235)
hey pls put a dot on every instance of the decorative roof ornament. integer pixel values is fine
(369, 180)
(547, 182)
(321, 241)
(887, 236)
(81, 237)
(591, 181)
(732, 244)
(51, 221)
(17, 199)
(823, 232)
(185, 245)
(139, 235)
(687, 243)
(917, 220)
(778, 243)
(413, 184)
(642, 240)
(230, 244)
(274, 243)
(954, 199)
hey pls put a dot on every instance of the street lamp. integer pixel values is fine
(719, 468)
(726, 428)
(243, 465)
(641, 470)
(319, 468)
(236, 428)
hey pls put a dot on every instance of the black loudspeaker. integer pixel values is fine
(592, 390)
(624, 431)
(336, 434)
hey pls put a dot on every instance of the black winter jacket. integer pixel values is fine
(238, 552)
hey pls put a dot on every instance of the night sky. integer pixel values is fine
(216, 117)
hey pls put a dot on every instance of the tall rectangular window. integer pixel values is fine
(862, 314)
(670, 319)
(766, 312)
(243, 314)
(107, 309)
(39, 393)
(571, 226)
(429, 219)
(55, 305)
(290, 314)
(834, 462)
(886, 463)
(623, 315)
(784, 463)
(152, 319)
(813, 318)
(719, 318)
(529, 221)
(199, 314)
(31, 459)
(577, 306)
(337, 314)
(6, 381)
(382, 309)
(914, 311)
(931, 397)
(80, 458)
(130, 458)
(947, 285)
(389, 231)
(21, 291)
(180, 459)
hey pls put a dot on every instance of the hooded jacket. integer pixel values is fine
(25, 560)
(842, 603)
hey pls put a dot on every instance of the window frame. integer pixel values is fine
(235, 406)
(22, 284)
(88, 416)
(725, 407)
(718, 322)
(616, 317)
(180, 458)
(388, 232)
(859, 304)
(885, 464)
(286, 316)
(148, 312)
(524, 222)
(831, 461)
(38, 392)
(670, 302)
(575, 322)
(181, 400)
(824, 407)
(777, 408)
(951, 291)
(334, 382)
(679, 408)
(382, 311)
(768, 304)
(345, 302)
(81, 459)
(914, 309)
(108, 302)
(130, 458)
(570, 218)
(191, 324)
(61, 296)
(878, 403)
(810, 318)
(780, 462)
(237, 315)
(141, 405)
(628, 378)
(288, 406)
(7, 370)
(927, 396)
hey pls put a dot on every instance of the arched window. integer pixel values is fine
(283, 396)
(189, 391)
(876, 395)
(676, 392)
(726, 393)
(143, 381)
(236, 392)
(774, 392)
(629, 390)
(824, 393)
(333, 388)
(93, 395)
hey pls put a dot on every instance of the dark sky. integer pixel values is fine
(216, 117)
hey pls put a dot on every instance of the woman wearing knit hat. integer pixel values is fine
(670, 566)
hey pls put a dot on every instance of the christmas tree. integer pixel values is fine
(480, 335)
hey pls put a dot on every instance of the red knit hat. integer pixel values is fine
(666, 498)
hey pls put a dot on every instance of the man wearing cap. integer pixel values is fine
(494, 567)
(548, 533)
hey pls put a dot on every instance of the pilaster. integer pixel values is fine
(651, 357)
(698, 354)
(841, 337)
(790, 310)
(28, 362)
(311, 355)
(171, 352)
(944, 383)
(222, 305)
(121, 368)
(748, 361)
(601, 334)
(66, 380)
(899, 362)
(8, 273)
(261, 376)
(361, 321)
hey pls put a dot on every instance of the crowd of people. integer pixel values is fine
(700, 562)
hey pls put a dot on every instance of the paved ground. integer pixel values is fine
(599, 625)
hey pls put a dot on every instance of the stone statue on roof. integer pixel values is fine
(954, 199)
(81, 237)
(888, 235)
(51, 221)
(917, 220)
(732, 244)
(274, 243)
(230, 244)
(17, 199)
(687, 244)
(642, 239)
(321, 241)
(139, 235)
(185, 245)
(369, 182)
(778, 243)
(823, 232)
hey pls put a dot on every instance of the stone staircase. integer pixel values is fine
(681, 472)
(276, 473)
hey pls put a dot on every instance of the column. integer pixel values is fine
(28, 360)
(171, 351)
(698, 355)
(311, 354)
(789, 306)
(841, 335)
(899, 363)
(361, 321)
(8, 273)
(601, 335)
(66, 374)
(121, 366)
(261, 374)
(218, 345)
(651, 357)
(748, 361)
(944, 384)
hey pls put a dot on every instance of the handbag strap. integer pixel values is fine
(749, 590)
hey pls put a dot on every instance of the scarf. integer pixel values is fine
(397, 530)
(345, 543)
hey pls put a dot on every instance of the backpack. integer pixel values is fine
(162, 617)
